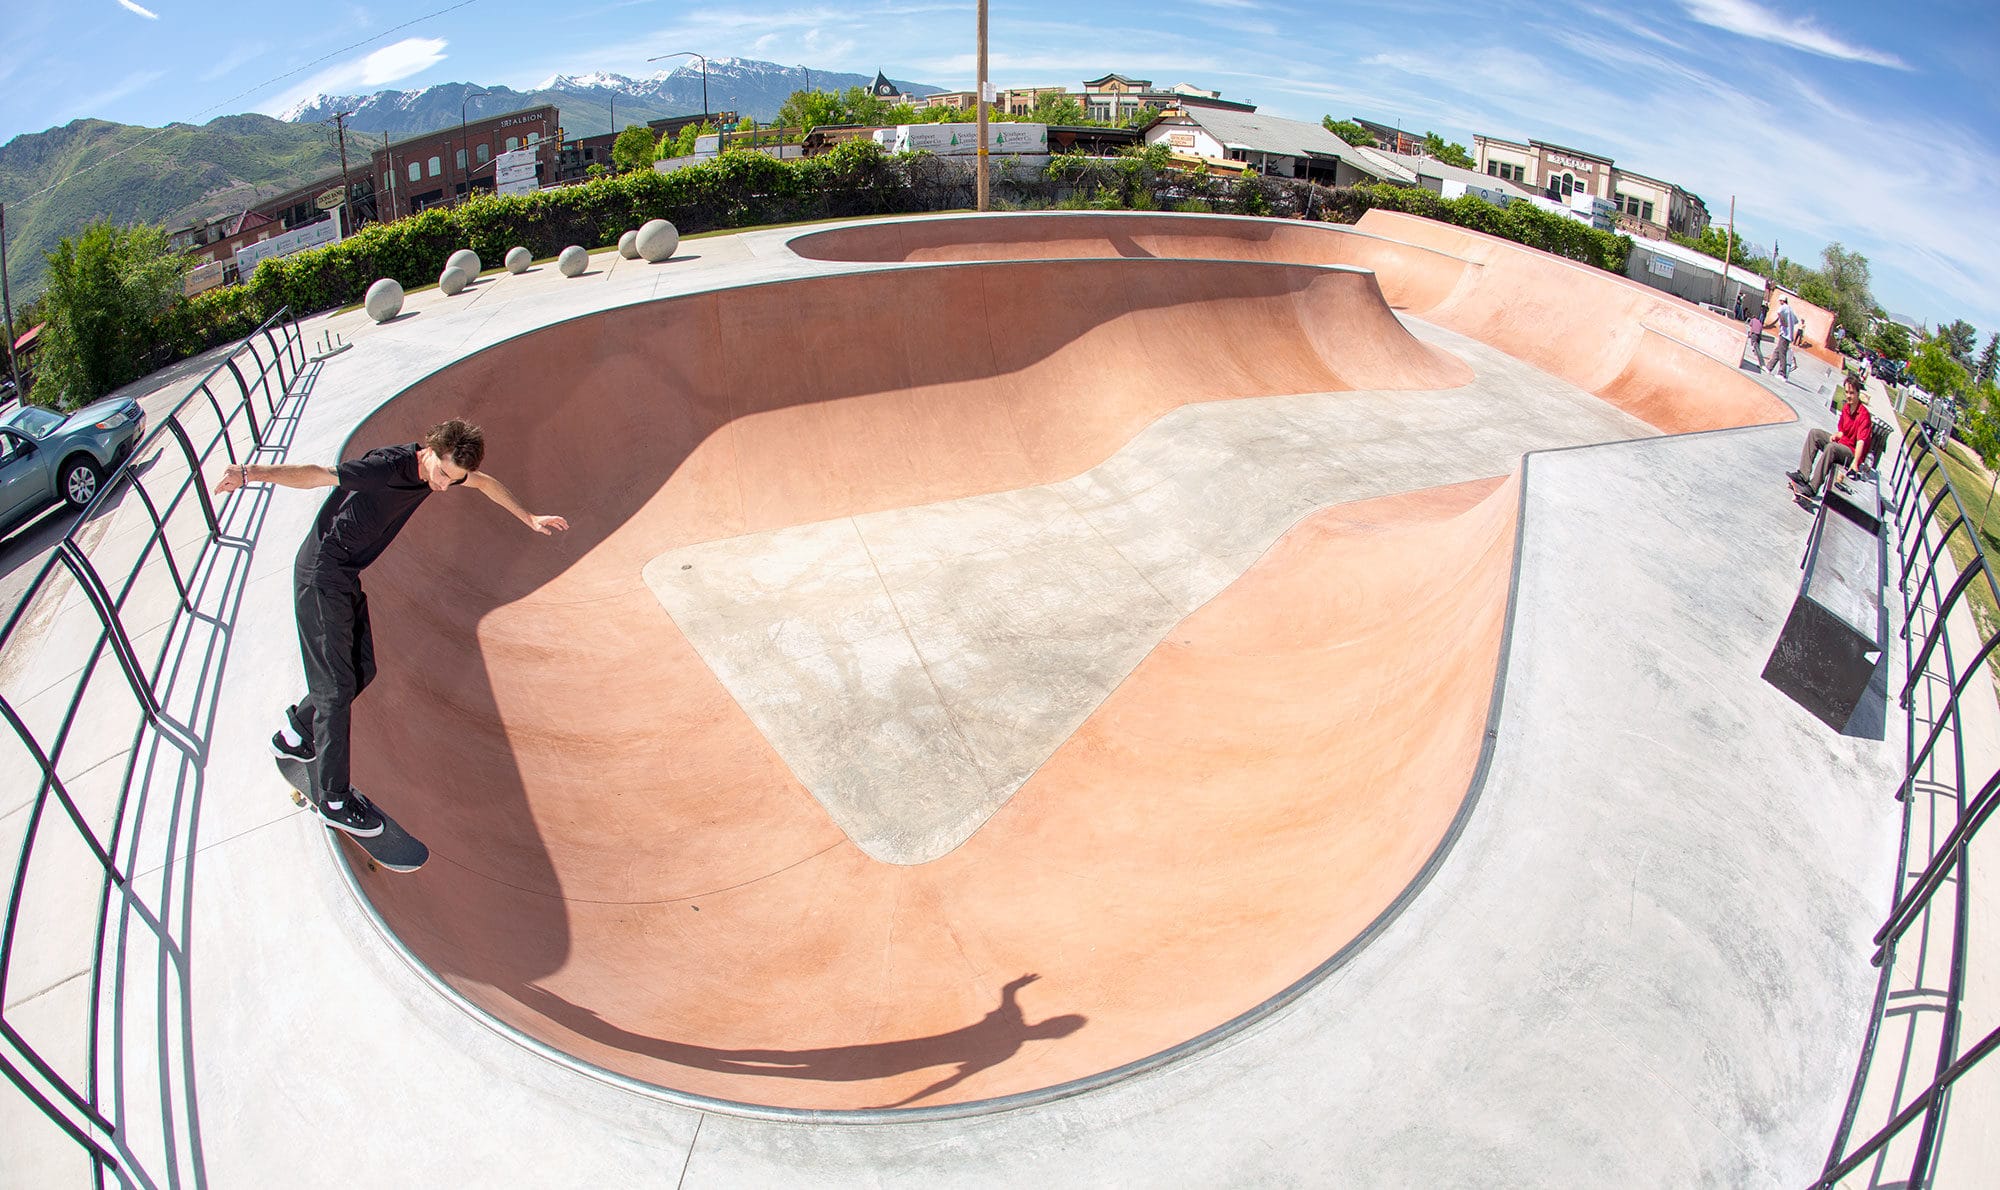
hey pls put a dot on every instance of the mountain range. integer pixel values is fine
(53, 183)
(590, 103)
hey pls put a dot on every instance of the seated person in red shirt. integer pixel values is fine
(1825, 451)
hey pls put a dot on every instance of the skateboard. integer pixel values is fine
(395, 848)
(1805, 497)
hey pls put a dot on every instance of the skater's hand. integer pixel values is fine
(547, 525)
(233, 476)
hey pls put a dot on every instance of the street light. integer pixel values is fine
(704, 84)
(464, 153)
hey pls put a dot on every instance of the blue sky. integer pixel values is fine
(1872, 124)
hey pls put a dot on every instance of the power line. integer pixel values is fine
(160, 132)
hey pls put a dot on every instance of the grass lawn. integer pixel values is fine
(1975, 485)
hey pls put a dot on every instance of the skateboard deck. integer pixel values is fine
(395, 848)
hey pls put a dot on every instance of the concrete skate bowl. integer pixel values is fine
(1650, 354)
(626, 870)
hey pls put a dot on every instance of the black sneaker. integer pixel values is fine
(353, 815)
(1798, 479)
(291, 742)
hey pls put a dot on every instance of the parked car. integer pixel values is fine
(46, 457)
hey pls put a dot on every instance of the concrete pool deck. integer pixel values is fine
(1642, 962)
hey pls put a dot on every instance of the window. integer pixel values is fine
(385, 181)
(416, 172)
(485, 153)
(460, 164)
(534, 138)
(1635, 207)
(513, 143)
(437, 167)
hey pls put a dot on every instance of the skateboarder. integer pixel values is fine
(373, 497)
(1787, 322)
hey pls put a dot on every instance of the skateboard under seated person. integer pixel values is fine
(373, 497)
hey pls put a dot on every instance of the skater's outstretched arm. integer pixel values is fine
(285, 475)
(497, 492)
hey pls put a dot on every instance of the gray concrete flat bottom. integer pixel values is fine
(1642, 964)
(914, 667)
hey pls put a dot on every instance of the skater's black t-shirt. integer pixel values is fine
(377, 494)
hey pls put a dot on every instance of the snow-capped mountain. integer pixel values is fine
(591, 102)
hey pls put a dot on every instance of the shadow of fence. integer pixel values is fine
(110, 674)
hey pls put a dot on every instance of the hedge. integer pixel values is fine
(742, 189)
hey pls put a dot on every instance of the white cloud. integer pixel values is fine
(148, 13)
(1751, 20)
(1785, 148)
(391, 63)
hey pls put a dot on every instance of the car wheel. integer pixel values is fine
(79, 481)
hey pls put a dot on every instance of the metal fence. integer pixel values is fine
(108, 668)
(1925, 949)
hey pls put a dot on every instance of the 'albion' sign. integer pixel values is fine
(1564, 159)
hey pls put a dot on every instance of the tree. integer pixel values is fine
(1979, 428)
(1450, 154)
(684, 145)
(1890, 340)
(812, 109)
(1959, 338)
(1054, 107)
(1846, 277)
(107, 291)
(1936, 372)
(1989, 360)
(1349, 131)
(634, 148)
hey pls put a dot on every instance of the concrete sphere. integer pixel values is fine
(466, 261)
(518, 260)
(385, 300)
(657, 240)
(628, 245)
(452, 281)
(573, 261)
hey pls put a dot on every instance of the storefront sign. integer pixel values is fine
(312, 235)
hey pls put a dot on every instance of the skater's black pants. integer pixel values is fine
(340, 662)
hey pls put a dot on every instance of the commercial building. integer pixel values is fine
(1644, 205)
(439, 167)
(1392, 140)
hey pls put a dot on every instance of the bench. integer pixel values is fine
(1833, 638)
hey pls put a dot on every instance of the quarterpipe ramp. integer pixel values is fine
(626, 868)
(1605, 333)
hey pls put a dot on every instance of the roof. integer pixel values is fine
(34, 332)
(1143, 84)
(1549, 144)
(1293, 138)
(1431, 167)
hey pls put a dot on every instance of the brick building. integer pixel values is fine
(1645, 205)
(436, 168)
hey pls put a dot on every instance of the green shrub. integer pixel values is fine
(856, 178)
(1522, 222)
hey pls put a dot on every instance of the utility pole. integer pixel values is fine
(983, 200)
(7, 306)
(346, 187)
(1728, 251)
